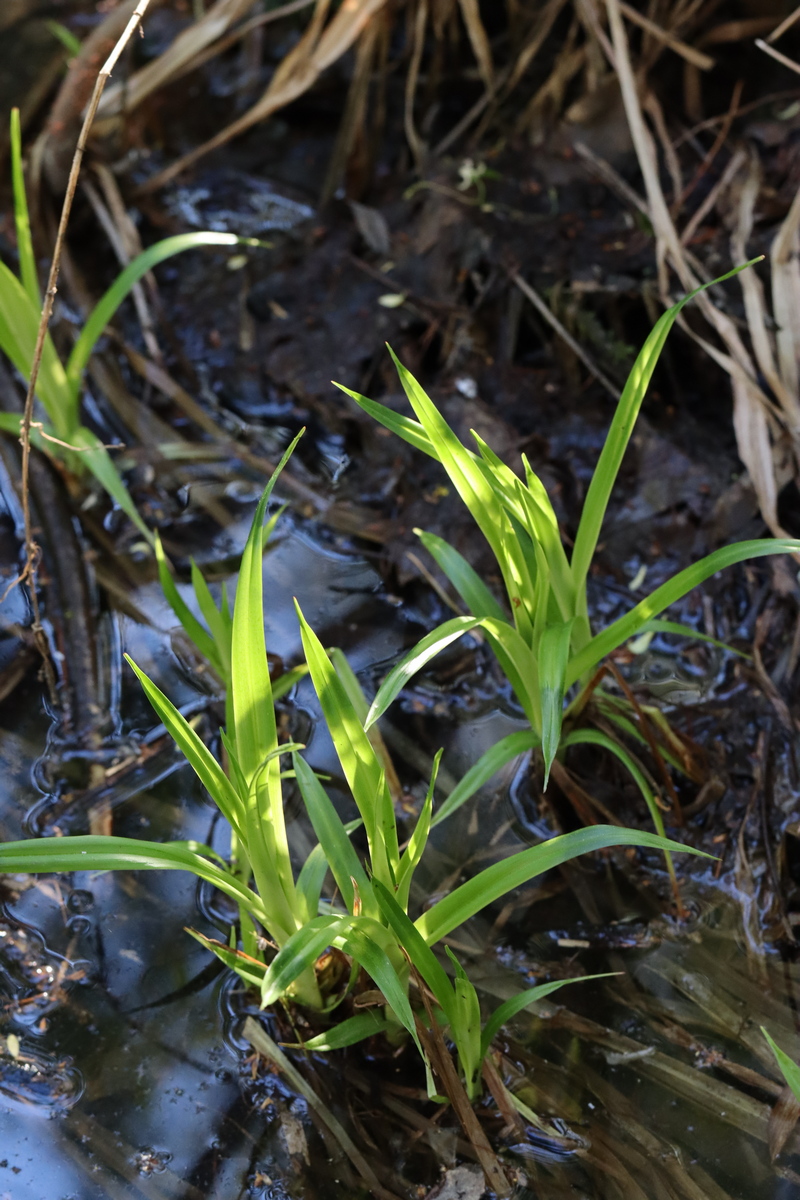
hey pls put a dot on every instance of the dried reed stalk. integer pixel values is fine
(31, 548)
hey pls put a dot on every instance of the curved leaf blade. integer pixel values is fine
(108, 304)
(515, 1004)
(200, 758)
(502, 877)
(630, 402)
(669, 593)
(464, 578)
(426, 649)
(489, 763)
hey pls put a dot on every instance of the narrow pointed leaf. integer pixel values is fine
(467, 582)
(358, 759)
(686, 631)
(553, 659)
(202, 761)
(630, 402)
(426, 649)
(311, 879)
(27, 258)
(489, 763)
(410, 431)
(249, 970)
(502, 877)
(332, 836)
(375, 961)
(519, 666)
(189, 622)
(95, 852)
(19, 322)
(418, 839)
(255, 732)
(108, 304)
(789, 1068)
(669, 593)
(346, 1033)
(95, 458)
(423, 958)
(509, 1009)
(299, 953)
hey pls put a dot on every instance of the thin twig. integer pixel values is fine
(576, 348)
(695, 57)
(784, 25)
(776, 54)
(31, 548)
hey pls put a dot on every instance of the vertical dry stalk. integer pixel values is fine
(757, 421)
(31, 548)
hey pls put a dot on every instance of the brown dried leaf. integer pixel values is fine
(782, 1120)
(317, 49)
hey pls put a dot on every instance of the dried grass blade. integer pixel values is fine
(260, 1040)
(479, 41)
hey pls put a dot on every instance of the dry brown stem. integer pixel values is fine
(31, 548)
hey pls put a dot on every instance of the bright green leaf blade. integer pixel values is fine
(410, 431)
(476, 487)
(94, 852)
(418, 840)
(332, 836)
(422, 957)
(297, 954)
(202, 761)
(249, 970)
(19, 322)
(27, 259)
(595, 737)
(311, 879)
(219, 625)
(255, 731)
(519, 666)
(467, 582)
(669, 593)
(359, 762)
(553, 660)
(466, 1026)
(108, 304)
(515, 1004)
(426, 649)
(502, 877)
(189, 622)
(686, 631)
(356, 696)
(285, 682)
(489, 763)
(529, 506)
(346, 1033)
(94, 456)
(630, 402)
(375, 961)
(789, 1068)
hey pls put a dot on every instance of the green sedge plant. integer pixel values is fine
(214, 639)
(542, 637)
(364, 912)
(63, 435)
